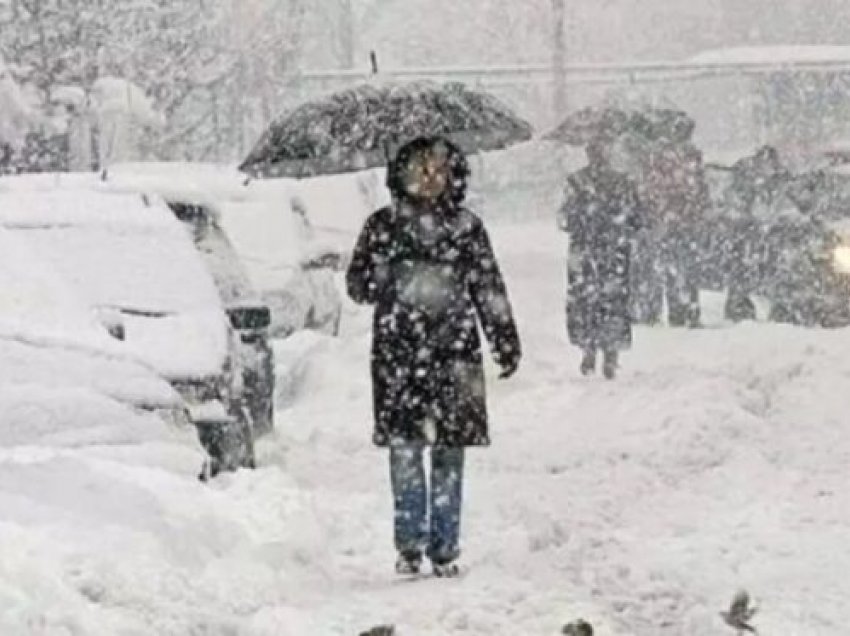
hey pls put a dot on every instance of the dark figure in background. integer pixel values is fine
(758, 185)
(427, 265)
(602, 214)
(7, 155)
(675, 193)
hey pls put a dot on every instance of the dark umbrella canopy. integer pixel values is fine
(664, 123)
(361, 128)
(608, 122)
(588, 124)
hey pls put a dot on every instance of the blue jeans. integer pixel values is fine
(439, 536)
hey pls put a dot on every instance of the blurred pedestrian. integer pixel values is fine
(759, 185)
(602, 214)
(675, 193)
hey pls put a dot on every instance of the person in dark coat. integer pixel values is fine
(426, 264)
(602, 214)
(758, 186)
(676, 195)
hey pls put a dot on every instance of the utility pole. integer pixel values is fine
(347, 34)
(238, 103)
(559, 58)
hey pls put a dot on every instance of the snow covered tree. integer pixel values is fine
(213, 68)
(15, 117)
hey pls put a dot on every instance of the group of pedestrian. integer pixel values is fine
(426, 264)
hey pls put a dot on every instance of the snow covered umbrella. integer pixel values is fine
(610, 122)
(663, 124)
(360, 128)
(585, 125)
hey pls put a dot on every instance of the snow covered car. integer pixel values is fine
(187, 312)
(289, 260)
(63, 380)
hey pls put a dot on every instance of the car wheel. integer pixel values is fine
(259, 396)
(229, 445)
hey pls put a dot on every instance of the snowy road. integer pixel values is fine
(716, 461)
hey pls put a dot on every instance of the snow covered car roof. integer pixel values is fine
(257, 215)
(78, 200)
(187, 182)
(126, 251)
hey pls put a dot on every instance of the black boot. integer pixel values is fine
(739, 307)
(408, 563)
(610, 364)
(445, 569)
(588, 362)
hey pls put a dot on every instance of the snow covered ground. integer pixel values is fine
(716, 461)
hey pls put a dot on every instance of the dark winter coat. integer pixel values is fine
(430, 275)
(755, 199)
(674, 187)
(601, 212)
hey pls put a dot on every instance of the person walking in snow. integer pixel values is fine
(676, 196)
(602, 214)
(426, 264)
(759, 185)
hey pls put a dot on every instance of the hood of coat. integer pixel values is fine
(454, 160)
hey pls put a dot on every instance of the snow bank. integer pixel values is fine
(32, 361)
(115, 541)
(79, 412)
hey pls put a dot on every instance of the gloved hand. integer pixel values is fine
(509, 367)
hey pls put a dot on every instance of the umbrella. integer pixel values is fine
(655, 118)
(611, 122)
(359, 128)
(664, 124)
(588, 124)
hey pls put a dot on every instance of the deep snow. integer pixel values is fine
(716, 461)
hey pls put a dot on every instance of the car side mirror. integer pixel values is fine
(250, 317)
(189, 212)
(325, 258)
(112, 320)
